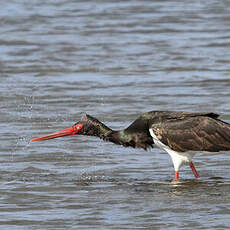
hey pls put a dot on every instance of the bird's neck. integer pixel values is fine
(122, 137)
(98, 129)
(129, 137)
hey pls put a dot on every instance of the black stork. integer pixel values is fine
(180, 134)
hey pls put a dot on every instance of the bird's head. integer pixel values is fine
(88, 125)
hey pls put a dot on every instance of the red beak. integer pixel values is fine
(72, 130)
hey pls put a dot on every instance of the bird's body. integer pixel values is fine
(180, 134)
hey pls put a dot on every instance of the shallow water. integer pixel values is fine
(113, 60)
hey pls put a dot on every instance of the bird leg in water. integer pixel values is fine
(176, 177)
(194, 169)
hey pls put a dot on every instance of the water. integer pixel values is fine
(113, 60)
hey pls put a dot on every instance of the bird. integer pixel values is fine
(180, 134)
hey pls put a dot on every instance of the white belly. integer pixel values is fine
(178, 158)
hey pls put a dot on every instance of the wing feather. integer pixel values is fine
(198, 133)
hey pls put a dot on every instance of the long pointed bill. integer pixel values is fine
(72, 130)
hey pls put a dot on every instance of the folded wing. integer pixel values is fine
(195, 133)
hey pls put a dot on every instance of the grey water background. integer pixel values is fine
(113, 60)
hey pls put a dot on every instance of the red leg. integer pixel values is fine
(194, 170)
(176, 177)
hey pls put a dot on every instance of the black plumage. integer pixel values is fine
(178, 133)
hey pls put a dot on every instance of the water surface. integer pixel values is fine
(113, 60)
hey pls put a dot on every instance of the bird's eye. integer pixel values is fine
(76, 128)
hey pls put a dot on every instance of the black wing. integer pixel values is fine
(194, 133)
